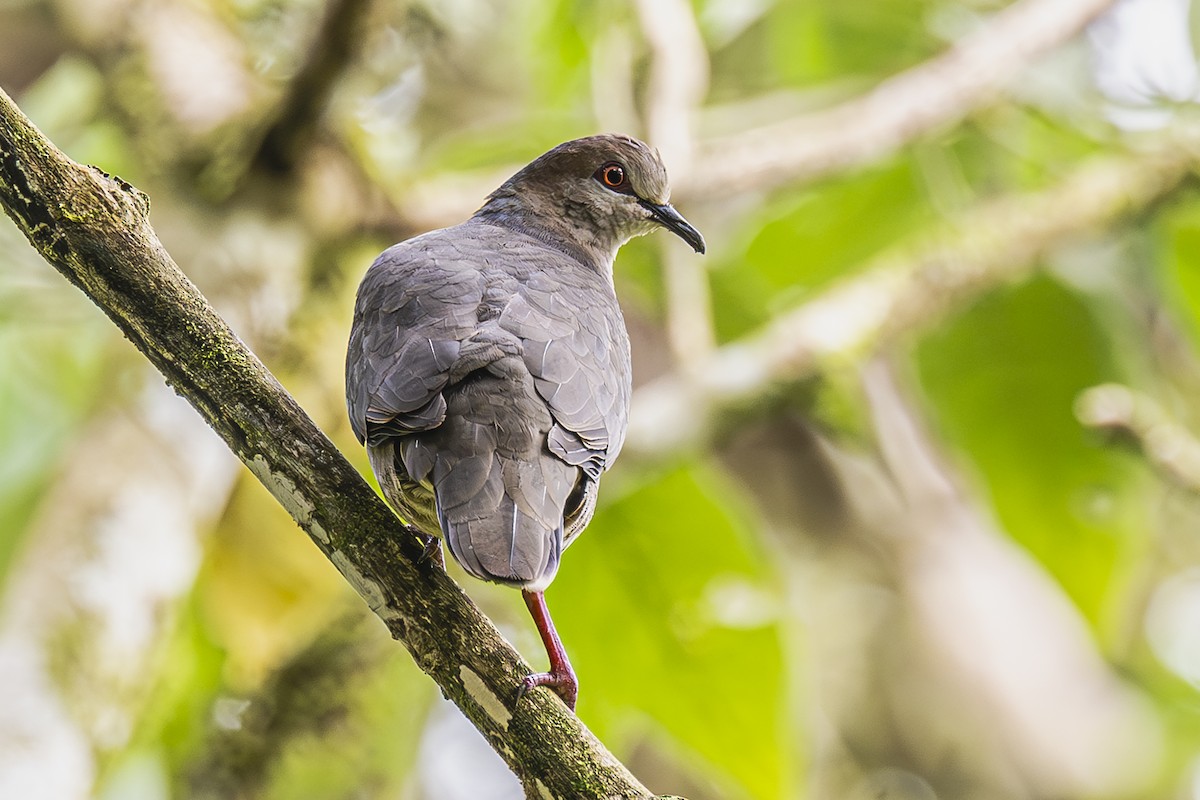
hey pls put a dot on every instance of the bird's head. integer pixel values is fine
(594, 193)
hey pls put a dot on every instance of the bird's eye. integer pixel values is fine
(612, 175)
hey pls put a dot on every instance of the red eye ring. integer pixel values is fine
(612, 176)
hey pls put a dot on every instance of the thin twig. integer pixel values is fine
(1168, 447)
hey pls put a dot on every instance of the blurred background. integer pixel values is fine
(909, 506)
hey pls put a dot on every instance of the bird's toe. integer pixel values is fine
(564, 685)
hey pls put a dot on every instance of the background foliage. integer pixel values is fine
(919, 571)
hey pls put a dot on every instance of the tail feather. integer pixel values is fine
(508, 546)
(500, 492)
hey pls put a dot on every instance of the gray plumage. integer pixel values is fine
(488, 371)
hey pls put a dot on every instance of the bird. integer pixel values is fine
(488, 371)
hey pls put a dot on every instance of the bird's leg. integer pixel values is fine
(432, 551)
(560, 678)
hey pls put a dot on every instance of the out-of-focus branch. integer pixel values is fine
(929, 619)
(94, 229)
(678, 83)
(1169, 447)
(678, 77)
(934, 94)
(931, 95)
(1001, 627)
(902, 291)
(309, 89)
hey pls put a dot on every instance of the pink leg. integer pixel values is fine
(560, 678)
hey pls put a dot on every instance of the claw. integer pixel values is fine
(564, 685)
(432, 552)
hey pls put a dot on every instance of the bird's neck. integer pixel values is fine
(566, 227)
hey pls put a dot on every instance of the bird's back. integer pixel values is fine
(489, 376)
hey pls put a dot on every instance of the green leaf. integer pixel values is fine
(1181, 276)
(804, 239)
(1002, 381)
(667, 606)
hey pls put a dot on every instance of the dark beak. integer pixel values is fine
(671, 219)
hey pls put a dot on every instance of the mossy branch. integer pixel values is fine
(94, 229)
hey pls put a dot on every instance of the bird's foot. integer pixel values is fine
(432, 552)
(563, 683)
(561, 677)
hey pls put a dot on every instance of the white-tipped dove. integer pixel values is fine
(488, 371)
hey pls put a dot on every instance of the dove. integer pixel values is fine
(488, 371)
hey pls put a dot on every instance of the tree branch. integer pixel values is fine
(310, 88)
(902, 291)
(931, 95)
(934, 94)
(678, 82)
(1167, 446)
(94, 229)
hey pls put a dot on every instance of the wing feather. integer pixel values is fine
(499, 385)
